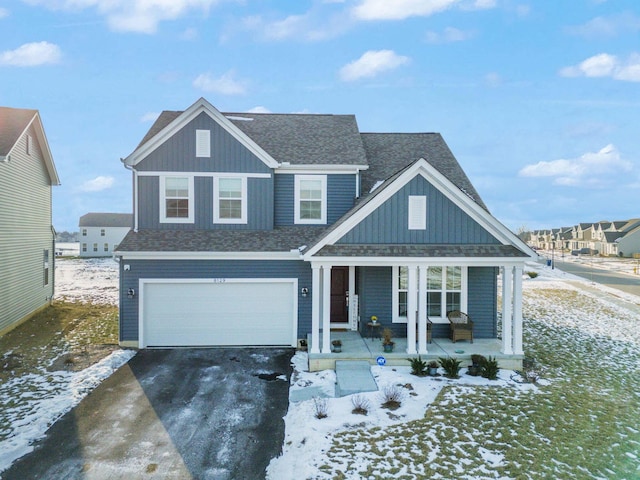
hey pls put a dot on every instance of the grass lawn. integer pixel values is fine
(583, 422)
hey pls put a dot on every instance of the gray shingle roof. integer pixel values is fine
(428, 251)
(13, 122)
(300, 139)
(95, 219)
(280, 239)
(389, 152)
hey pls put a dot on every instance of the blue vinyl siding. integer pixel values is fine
(178, 153)
(259, 206)
(208, 269)
(482, 301)
(446, 222)
(375, 298)
(341, 193)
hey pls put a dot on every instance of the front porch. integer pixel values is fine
(356, 347)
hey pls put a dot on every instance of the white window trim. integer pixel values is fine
(163, 204)
(417, 212)
(216, 202)
(395, 301)
(296, 200)
(203, 144)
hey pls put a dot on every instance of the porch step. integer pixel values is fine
(354, 376)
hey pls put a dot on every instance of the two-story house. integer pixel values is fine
(101, 232)
(27, 175)
(263, 229)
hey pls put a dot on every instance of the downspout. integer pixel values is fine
(135, 194)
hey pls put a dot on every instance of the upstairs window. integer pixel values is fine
(84, 232)
(310, 199)
(102, 232)
(176, 199)
(203, 143)
(230, 200)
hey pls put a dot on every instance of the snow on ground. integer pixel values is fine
(52, 395)
(92, 280)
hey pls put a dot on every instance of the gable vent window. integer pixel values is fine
(29, 144)
(417, 212)
(203, 143)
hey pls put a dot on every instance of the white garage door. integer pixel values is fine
(218, 312)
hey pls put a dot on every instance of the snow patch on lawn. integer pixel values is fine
(87, 280)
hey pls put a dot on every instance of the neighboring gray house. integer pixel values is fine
(27, 173)
(101, 233)
(264, 229)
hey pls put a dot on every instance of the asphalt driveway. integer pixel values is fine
(172, 414)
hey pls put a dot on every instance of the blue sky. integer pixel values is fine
(538, 100)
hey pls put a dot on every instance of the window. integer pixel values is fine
(95, 247)
(46, 267)
(444, 291)
(106, 247)
(29, 145)
(310, 199)
(229, 202)
(417, 212)
(102, 232)
(84, 232)
(176, 199)
(203, 143)
(84, 247)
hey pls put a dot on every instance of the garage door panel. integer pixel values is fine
(230, 313)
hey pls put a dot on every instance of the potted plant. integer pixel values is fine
(387, 340)
(337, 346)
(477, 361)
(432, 368)
(374, 319)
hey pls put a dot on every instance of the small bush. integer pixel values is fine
(418, 367)
(451, 367)
(392, 396)
(532, 274)
(490, 368)
(361, 405)
(321, 408)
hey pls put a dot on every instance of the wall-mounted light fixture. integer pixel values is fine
(131, 293)
(304, 291)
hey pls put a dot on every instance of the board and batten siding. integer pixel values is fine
(172, 269)
(25, 233)
(178, 153)
(446, 222)
(341, 194)
(375, 298)
(259, 205)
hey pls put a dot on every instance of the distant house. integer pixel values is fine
(27, 173)
(101, 233)
(265, 229)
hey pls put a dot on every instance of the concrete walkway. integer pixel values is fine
(354, 376)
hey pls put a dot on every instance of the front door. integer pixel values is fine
(339, 292)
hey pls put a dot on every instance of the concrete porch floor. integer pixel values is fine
(356, 347)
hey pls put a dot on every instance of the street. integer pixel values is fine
(623, 282)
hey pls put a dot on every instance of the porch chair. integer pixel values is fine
(461, 326)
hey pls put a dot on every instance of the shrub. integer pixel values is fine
(418, 367)
(532, 274)
(321, 407)
(451, 367)
(392, 396)
(490, 368)
(360, 404)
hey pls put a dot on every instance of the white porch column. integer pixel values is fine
(507, 297)
(316, 291)
(326, 309)
(517, 310)
(422, 309)
(412, 306)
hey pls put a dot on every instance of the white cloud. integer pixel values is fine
(399, 9)
(372, 63)
(97, 184)
(594, 169)
(314, 25)
(605, 65)
(4, 12)
(149, 117)
(224, 85)
(32, 55)
(608, 26)
(448, 35)
(142, 16)
(259, 109)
